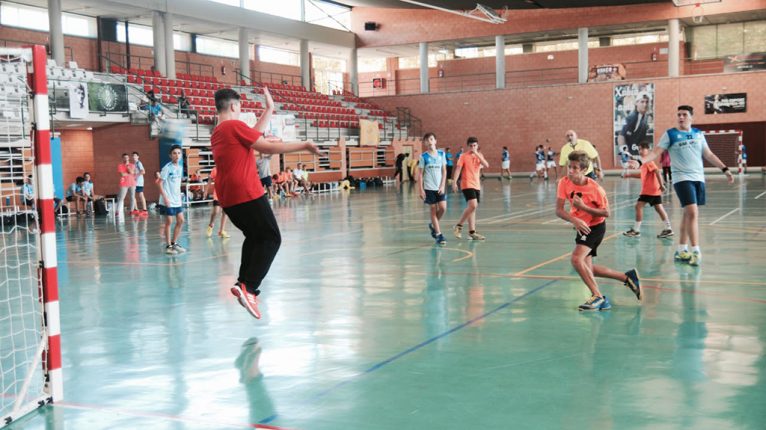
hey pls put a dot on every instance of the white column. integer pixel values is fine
(673, 48)
(499, 62)
(158, 36)
(56, 31)
(305, 66)
(353, 71)
(170, 52)
(244, 54)
(582, 55)
(424, 87)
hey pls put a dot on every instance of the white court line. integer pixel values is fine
(759, 195)
(727, 214)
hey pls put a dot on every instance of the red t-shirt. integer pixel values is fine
(650, 184)
(129, 180)
(471, 173)
(591, 194)
(237, 180)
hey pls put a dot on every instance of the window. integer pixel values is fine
(369, 64)
(217, 47)
(268, 54)
(637, 39)
(328, 15)
(139, 34)
(563, 45)
(290, 9)
(228, 2)
(730, 39)
(182, 41)
(704, 42)
(755, 36)
(35, 18)
(414, 62)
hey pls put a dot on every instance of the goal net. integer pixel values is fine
(724, 144)
(30, 369)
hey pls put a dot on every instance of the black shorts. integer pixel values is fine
(593, 239)
(652, 200)
(434, 197)
(472, 193)
(690, 192)
(215, 203)
(70, 198)
(266, 181)
(139, 189)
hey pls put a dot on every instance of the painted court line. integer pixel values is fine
(381, 364)
(560, 257)
(760, 195)
(727, 214)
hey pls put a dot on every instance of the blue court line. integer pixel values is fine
(419, 346)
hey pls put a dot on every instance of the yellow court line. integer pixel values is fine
(560, 257)
(468, 255)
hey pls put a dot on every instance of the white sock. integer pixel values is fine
(637, 226)
(667, 225)
(696, 249)
(682, 248)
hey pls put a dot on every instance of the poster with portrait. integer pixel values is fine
(633, 118)
(369, 133)
(78, 100)
(283, 127)
(725, 103)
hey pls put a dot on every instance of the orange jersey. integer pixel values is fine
(471, 171)
(650, 183)
(591, 194)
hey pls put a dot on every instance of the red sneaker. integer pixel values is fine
(248, 300)
(135, 212)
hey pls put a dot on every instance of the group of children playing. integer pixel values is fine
(685, 147)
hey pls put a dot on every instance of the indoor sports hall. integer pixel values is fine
(127, 252)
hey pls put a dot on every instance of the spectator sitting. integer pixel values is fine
(184, 108)
(74, 194)
(301, 178)
(28, 192)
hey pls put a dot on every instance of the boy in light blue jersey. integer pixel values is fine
(141, 199)
(170, 204)
(687, 147)
(28, 191)
(74, 194)
(432, 182)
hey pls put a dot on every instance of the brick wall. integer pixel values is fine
(77, 154)
(405, 26)
(108, 145)
(522, 118)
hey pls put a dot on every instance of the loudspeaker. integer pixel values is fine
(370, 26)
(108, 29)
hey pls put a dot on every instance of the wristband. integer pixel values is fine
(724, 169)
(640, 163)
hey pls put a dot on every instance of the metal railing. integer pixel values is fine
(147, 63)
(12, 43)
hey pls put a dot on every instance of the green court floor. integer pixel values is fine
(368, 325)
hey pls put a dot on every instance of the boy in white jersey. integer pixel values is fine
(170, 204)
(687, 147)
(432, 182)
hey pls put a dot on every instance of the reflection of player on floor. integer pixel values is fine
(241, 193)
(687, 147)
(432, 182)
(652, 187)
(216, 208)
(589, 209)
(469, 164)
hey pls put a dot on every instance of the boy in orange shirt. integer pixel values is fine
(469, 164)
(589, 209)
(652, 187)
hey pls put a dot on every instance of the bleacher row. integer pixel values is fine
(199, 91)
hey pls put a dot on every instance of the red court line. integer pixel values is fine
(216, 423)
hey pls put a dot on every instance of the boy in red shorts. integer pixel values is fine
(652, 187)
(589, 209)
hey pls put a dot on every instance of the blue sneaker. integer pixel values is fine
(596, 304)
(440, 240)
(433, 231)
(632, 282)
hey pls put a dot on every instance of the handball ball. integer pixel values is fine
(173, 129)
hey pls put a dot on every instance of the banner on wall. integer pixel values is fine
(607, 72)
(725, 103)
(369, 133)
(283, 127)
(104, 97)
(633, 117)
(744, 62)
(78, 100)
